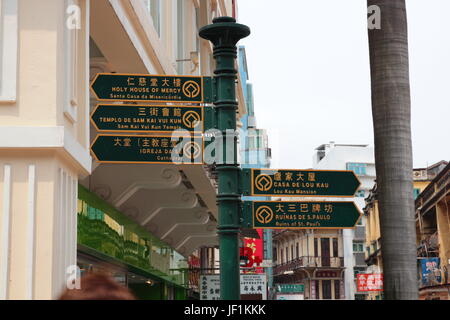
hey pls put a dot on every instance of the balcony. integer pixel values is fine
(429, 246)
(309, 262)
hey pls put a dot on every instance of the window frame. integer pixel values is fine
(9, 40)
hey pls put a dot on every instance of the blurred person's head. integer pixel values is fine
(95, 286)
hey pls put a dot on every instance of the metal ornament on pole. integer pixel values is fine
(224, 33)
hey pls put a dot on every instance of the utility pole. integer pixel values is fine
(224, 33)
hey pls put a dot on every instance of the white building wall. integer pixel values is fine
(336, 157)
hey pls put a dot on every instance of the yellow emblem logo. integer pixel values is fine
(191, 89)
(191, 119)
(263, 182)
(264, 214)
(192, 150)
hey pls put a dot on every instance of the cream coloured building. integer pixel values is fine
(46, 66)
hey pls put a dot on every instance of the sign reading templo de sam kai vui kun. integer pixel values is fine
(141, 118)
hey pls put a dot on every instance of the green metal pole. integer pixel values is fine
(224, 33)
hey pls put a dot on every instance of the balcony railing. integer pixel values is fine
(309, 262)
(429, 245)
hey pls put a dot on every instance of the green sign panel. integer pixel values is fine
(291, 288)
(148, 149)
(300, 215)
(298, 183)
(146, 87)
(138, 118)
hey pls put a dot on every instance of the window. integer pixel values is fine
(416, 193)
(360, 193)
(8, 50)
(153, 8)
(326, 289)
(296, 251)
(335, 247)
(358, 247)
(72, 56)
(316, 247)
(180, 35)
(317, 291)
(337, 289)
(357, 168)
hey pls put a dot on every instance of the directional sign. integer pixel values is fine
(138, 118)
(290, 288)
(298, 183)
(147, 87)
(147, 149)
(300, 215)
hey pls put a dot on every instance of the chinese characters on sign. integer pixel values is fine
(148, 149)
(294, 183)
(370, 282)
(144, 87)
(251, 284)
(140, 118)
(301, 214)
(431, 273)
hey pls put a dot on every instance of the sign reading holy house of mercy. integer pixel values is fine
(147, 87)
(140, 118)
(300, 214)
(297, 183)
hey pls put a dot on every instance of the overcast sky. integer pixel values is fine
(309, 65)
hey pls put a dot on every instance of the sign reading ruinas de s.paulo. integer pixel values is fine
(148, 149)
(140, 118)
(147, 87)
(297, 183)
(300, 214)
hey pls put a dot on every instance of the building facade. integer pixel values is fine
(373, 257)
(63, 213)
(311, 261)
(254, 153)
(433, 234)
(360, 160)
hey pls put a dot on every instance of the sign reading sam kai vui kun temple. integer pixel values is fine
(143, 118)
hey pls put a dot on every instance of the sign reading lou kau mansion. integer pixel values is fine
(296, 183)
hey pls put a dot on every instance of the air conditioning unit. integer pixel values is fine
(420, 174)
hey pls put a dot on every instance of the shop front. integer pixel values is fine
(111, 243)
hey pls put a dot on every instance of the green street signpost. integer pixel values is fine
(300, 214)
(224, 33)
(147, 149)
(297, 183)
(140, 118)
(146, 87)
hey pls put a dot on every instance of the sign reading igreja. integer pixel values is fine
(179, 147)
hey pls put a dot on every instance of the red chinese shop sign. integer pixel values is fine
(253, 252)
(370, 282)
